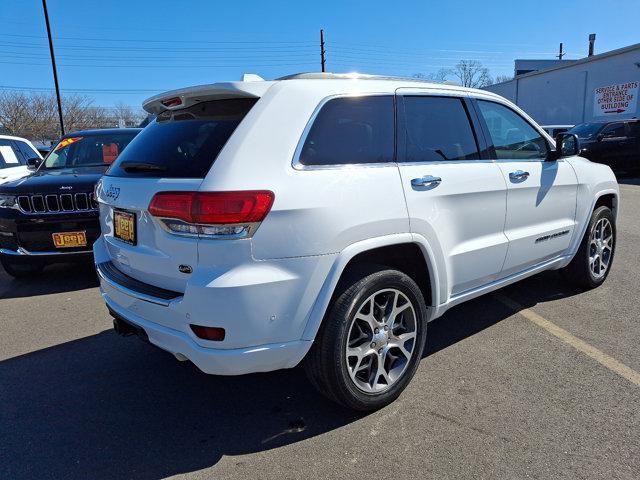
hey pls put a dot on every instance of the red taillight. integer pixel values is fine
(173, 205)
(231, 207)
(172, 102)
(213, 208)
(215, 334)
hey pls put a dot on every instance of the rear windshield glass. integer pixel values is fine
(182, 143)
(586, 130)
(87, 151)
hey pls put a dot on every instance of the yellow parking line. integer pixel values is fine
(599, 356)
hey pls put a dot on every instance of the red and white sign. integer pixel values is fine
(615, 99)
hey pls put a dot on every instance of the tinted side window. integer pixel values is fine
(26, 150)
(512, 136)
(10, 156)
(634, 129)
(351, 130)
(614, 130)
(438, 128)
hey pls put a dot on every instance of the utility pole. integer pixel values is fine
(561, 53)
(53, 65)
(321, 48)
(592, 41)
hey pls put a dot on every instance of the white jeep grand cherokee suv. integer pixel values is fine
(326, 219)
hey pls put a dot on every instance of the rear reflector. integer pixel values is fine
(214, 334)
(213, 208)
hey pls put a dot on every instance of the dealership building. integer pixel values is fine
(568, 92)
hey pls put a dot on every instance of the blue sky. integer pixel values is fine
(124, 51)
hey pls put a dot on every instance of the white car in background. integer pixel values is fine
(325, 219)
(14, 154)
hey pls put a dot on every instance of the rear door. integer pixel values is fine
(173, 154)
(456, 195)
(615, 145)
(541, 195)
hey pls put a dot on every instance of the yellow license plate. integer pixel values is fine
(124, 226)
(70, 239)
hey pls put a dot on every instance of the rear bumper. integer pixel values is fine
(262, 305)
(235, 361)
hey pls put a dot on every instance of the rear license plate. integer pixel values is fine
(69, 239)
(124, 226)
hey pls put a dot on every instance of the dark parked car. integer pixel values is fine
(615, 143)
(52, 215)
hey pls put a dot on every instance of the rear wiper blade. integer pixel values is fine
(142, 167)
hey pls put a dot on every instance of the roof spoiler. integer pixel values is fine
(185, 97)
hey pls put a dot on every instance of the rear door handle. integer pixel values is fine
(519, 175)
(426, 181)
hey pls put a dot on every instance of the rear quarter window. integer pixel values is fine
(351, 130)
(10, 155)
(182, 143)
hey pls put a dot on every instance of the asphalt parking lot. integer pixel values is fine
(499, 394)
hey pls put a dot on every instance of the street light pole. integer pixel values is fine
(53, 65)
(322, 52)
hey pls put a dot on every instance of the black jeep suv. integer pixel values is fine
(51, 216)
(614, 143)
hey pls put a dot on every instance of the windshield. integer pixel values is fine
(183, 143)
(586, 130)
(88, 151)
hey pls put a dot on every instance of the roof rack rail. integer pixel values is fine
(352, 76)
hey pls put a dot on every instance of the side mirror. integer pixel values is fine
(599, 137)
(34, 163)
(566, 146)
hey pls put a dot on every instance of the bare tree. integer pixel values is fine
(438, 76)
(472, 74)
(35, 116)
(127, 116)
(31, 116)
(503, 78)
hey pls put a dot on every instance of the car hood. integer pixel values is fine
(67, 180)
(13, 173)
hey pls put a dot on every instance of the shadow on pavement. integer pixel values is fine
(108, 407)
(57, 278)
(474, 316)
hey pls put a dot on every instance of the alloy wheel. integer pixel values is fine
(381, 340)
(600, 248)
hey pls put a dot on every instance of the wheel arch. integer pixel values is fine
(372, 251)
(607, 199)
(608, 196)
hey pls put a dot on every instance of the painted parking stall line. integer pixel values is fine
(599, 356)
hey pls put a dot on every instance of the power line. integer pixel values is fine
(166, 65)
(274, 48)
(85, 90)
(147, 40)
(36, 56)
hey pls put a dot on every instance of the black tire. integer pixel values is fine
(21, 269)
(579, 270)
(327, 365)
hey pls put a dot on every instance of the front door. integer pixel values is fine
(541, 194)
(456, 195)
